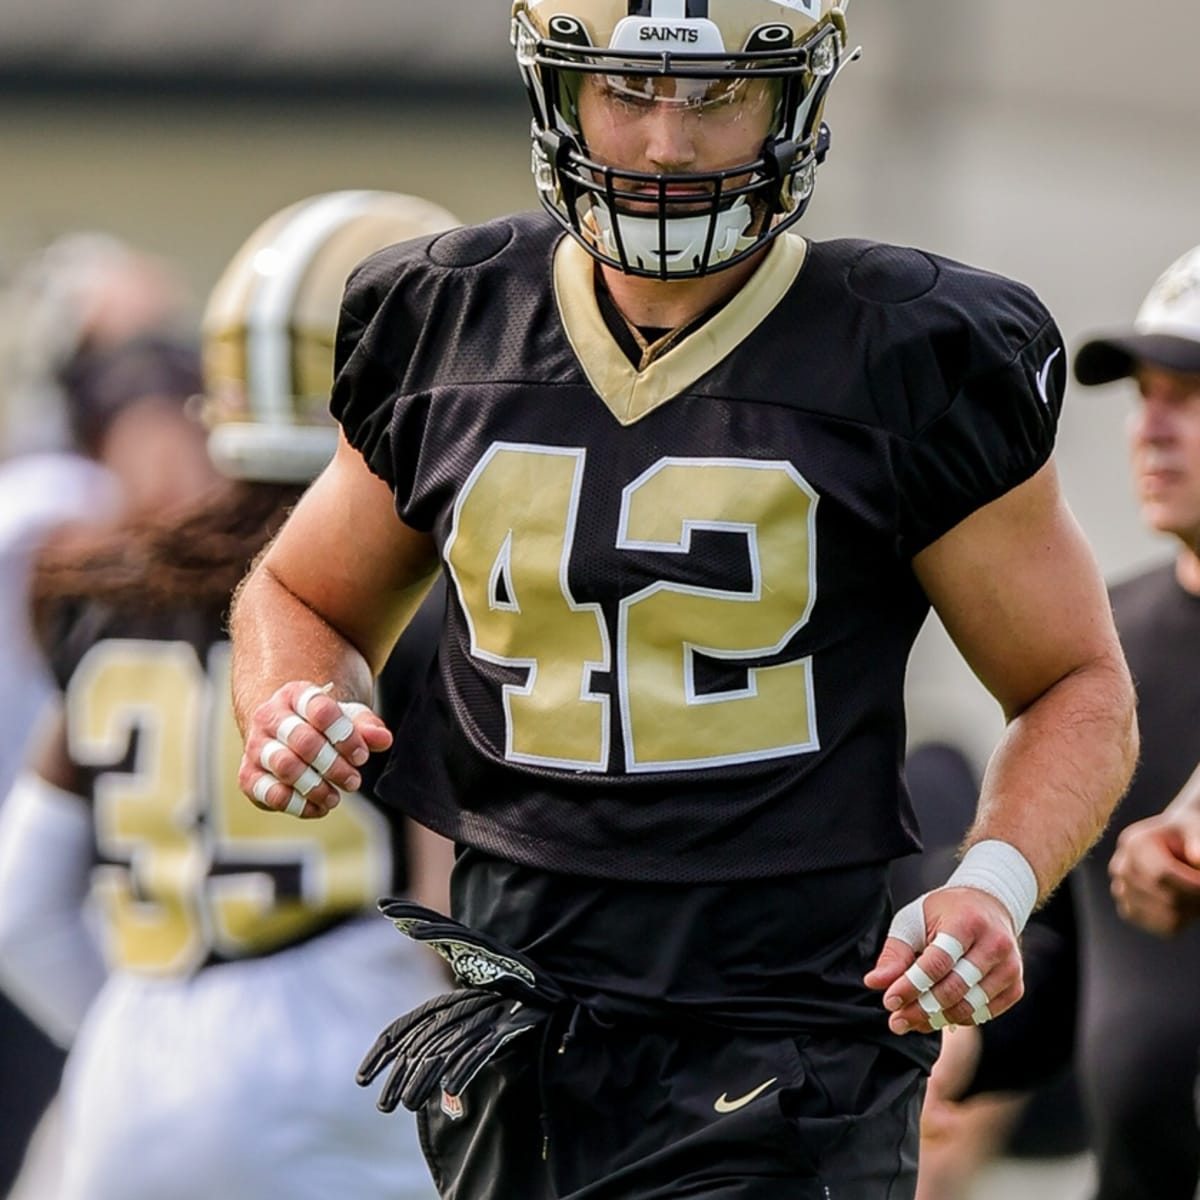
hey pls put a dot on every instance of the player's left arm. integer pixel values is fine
(1019, 591)
(50, 962)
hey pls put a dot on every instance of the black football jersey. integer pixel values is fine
(680, 593)
(188, 871)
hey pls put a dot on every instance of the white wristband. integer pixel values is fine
(1002, 871)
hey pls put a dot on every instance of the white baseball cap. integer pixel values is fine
(1165, 333)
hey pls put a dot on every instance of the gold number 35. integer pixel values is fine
(193, 867)
(509, 554)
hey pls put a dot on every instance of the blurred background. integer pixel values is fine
(1058, 143)
(1062, 148)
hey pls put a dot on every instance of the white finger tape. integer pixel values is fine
(266, 756)
(981, 1016)
(308, 695)
(262, 785)
(308, 780)
(929, 1002)
(340, 730)
(977, 998)
(908, 925)
(949, 943)
(288, 726)
(352, 708)
(296, 805)
(917, 977)
(968, 972)
(937, 1021)
(325, 759)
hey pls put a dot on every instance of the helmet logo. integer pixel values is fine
(568, 29)
(659, 33)
(770, 37)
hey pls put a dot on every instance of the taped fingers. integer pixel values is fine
(931, 968)
(325, 758)
(918, 978)
(305, 784)
(318, 759)
(262, 789)
(288, 726)
(968, 972)
(977, 998)
(950, 944)
(908, 924)
(933, 1010)
(308, 781)
(982, 1002)
(309, 695)
(296, 805)
(267, 755)
(929, 1002)
(340, 730)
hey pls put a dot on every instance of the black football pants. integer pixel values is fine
(580, 1111)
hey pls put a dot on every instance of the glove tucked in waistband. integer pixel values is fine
(443, 1044)
(477, 960)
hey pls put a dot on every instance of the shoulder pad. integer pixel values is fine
(892, 274)
(472, 245)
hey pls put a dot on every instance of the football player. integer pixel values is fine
(217, 1057)
(695, 482)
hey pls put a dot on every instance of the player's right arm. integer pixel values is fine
(323, 605)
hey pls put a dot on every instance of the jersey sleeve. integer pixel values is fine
(378, 328)
(988, 416)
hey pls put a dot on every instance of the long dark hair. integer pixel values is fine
(194, 561)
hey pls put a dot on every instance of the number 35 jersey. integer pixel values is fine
(681, 597)
(188, 871)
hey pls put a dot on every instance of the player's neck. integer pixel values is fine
(668, 304)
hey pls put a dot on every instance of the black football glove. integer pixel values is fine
(478, 961)
(443, 1045)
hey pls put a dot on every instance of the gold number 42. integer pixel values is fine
(508, 556)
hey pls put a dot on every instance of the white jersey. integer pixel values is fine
(37, 493)
(237, 1083)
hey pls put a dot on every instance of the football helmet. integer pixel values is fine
(83, 291)
(270, 323)
(705, 56)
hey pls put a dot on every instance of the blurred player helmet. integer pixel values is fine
(83, 292)
(711, 52)
(270, 324)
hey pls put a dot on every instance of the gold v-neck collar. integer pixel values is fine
(630, 393)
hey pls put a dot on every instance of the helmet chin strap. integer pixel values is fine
(686, 237)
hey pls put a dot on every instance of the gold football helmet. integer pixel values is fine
(708, 56)
(270, 323)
